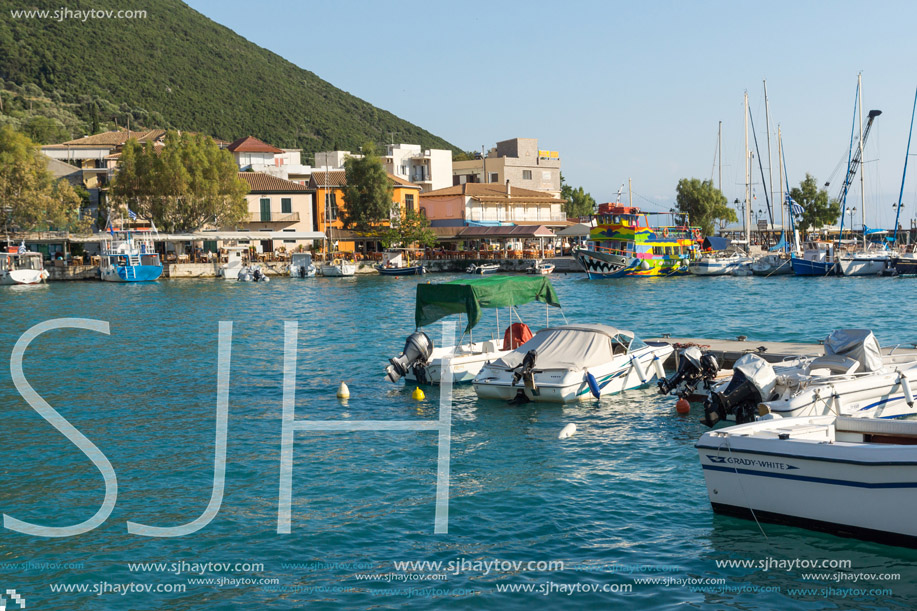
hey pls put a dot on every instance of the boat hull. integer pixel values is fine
(768, 266)
(805, 267)
(905, 266)
(415, 270)
(857, 266)
(341, 270)
(131, 273)
(22, 276)
(467, 362)
(806, 478)
(601, 265)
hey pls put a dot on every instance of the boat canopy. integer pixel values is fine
(435, 301)
(712, 242)
(574, 347)
(858, 344)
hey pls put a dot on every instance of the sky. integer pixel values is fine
(626, 90)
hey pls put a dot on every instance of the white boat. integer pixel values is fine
(866, 263)
(252, 273)
(484, 268)
(572, 363)
(129, 256)
(541, 267)
(22, 267)
(718, 264)
(338, 268)
(852, 378)
(301, 265)
(772, 265)
(421, 361)
(853, 477)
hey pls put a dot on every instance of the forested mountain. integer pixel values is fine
(63, 78)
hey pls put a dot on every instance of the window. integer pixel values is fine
(265, 209)
(526, 175)
(332, 204)
(409, 201)
(494, 177)
(286, 205)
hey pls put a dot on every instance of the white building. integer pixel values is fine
(253, 155)
(429, 168)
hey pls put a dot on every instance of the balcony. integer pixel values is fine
(275, 216)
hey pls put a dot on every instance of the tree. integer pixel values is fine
(817, 209)
(368, 193)
(465, 156)
(45, 130)
(703, 203)
(576, 201)
(30, 198)
(188, 184)
(409, 228)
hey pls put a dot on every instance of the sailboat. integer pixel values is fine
(334, 265)
(905, 263)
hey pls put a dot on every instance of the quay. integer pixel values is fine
(728, 351)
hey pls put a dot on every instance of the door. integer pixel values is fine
(265, 210)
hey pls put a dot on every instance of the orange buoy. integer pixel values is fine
(682, 406)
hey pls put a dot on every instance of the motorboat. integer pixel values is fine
(905, 263)
(301, 265)
(852, 378)
(542, 267)
(718, 264)
(421, 361)
(572, 363)
(129, 256)
(772, 265)
(622, 244)
(338, 267)
(19, 266)
(866, 263)
(252, 273)
(852, 477)
(818, 259)
(394, 263)
(235, 262)
(484, 268)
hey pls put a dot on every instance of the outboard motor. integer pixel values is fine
(752, 383)
(693, 367)
(417, 350)
(302, 271)
(526, 370)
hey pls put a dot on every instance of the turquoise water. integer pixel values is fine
(621, 501)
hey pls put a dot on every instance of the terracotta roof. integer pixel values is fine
(331, 178)
(119, 137)
(250, 144)
(517, 231)
(490, 192)
(402, 182)
(260, 182)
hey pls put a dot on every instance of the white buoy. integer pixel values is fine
(906, 387)
(660, 370)
(343, 391)
(567, 431)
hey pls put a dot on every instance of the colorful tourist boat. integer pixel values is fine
(622, 244)
(129, 257)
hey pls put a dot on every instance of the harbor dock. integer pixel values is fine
(728, 351)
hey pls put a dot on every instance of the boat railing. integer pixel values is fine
(613, 251)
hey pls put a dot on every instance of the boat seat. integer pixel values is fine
(876, 426)
(834, 363)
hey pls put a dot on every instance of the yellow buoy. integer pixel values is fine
(417, 395)
(343, 391)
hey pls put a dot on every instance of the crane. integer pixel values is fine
(856, 159)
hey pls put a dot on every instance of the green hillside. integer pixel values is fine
(175, 68)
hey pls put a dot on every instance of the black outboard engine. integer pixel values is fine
(752, 383)
(693, 367)
(525, 371)
(302, 271)
(417, 350)
(257, 275)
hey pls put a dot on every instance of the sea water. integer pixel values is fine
(615, 516)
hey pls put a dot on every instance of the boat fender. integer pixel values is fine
(417, 395)
(639, 369)
(906, 387)
(657, 364)
(567, 431)
(593, 385)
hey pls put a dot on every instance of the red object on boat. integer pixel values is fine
(616, 208)
(515, 335)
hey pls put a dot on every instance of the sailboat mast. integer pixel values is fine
(862, 169)
(780, 177)
(770, 164)
(747, 210)
(719, 155)
(906, 155)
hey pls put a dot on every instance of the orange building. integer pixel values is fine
(329, 202)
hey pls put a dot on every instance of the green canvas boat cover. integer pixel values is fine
(435, 301)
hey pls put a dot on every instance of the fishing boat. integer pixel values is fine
(905, 263)
(301, 265)
(541, 267)
(852, 378)
(396, 263)
(572, 363)
(421, 360)
(129, 256)
(852, 477)
(484, 268)
(20, 266)
(818, 259)
(622, 244)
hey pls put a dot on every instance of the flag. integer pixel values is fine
(111, 230)
(22, 247)
(794, 207)
(132, 214)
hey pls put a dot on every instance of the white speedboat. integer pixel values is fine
(301, 265)
(572, 363)
(421, 361)
(852, 378)
(718, 264)
(484, 268)
(22, 267)
(854, 477)
(866, 263)
(541, 267)
(339, 268)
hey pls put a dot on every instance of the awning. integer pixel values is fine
(506, 231)
(577, 230)
(713, 242)
(469, 297)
